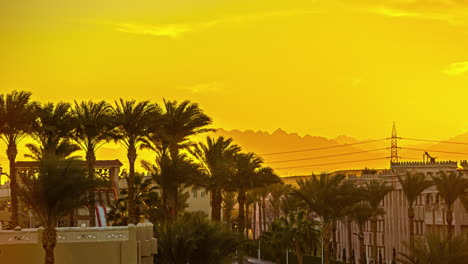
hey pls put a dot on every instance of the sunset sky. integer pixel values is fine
(324, 67)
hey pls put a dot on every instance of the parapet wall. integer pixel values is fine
(75, 245)
(421, 164)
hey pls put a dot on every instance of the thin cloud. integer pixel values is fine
(177, 30)
(457, 68)
(204, 88)
(394, 12)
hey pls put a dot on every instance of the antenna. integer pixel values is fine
(394, 147)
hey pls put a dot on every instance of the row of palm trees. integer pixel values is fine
(331, 198)
(63, 128)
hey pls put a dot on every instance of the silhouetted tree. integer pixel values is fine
(133, 122)
(16, 118)
(95, 126)
(375, 192)
(413, 185)
(52, 130)
(217, 159)
(57, 189)
(451, 187)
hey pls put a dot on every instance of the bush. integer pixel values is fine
(194, 239)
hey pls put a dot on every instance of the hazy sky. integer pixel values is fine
(324, 67)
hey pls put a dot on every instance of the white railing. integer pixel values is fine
(69, 234)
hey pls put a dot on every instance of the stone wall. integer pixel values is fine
(76, 245)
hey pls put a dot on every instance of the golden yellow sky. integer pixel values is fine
(324, 67)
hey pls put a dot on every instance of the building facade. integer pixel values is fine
(393, 227)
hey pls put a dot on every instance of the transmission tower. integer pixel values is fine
(394, 148)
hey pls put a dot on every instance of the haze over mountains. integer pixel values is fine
(330, 158)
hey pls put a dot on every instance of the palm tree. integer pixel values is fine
(278, 238)
(56, 190)
(52, 131)
(323, 194)
(375, 192)
(94, 127)
(249, 174)
(178, 123)
(278, 193)
(450, 186)
(217, 159)
(16, 117)
(133, 121)
(432, 249)
(173, 176)
(146, 198)
(303, 233)
(360, 214)
(413, 185)
(229, 202)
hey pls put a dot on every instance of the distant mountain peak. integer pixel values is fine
(279, 131)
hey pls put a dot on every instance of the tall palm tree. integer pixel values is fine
(360, 214)
(178, 122)
(95, 126)
(322, 194)
(173, 176)
(249, 174)
(58, 189)
(133, 122)
(278, 193)
(303, 232)
(375, 192)
(16, 118)
(413, 185)
(451, 187)
(217, 159)
(52, 131)
(229, 202)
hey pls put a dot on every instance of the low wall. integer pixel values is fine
(75, 245)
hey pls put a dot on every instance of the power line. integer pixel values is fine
(328, 156)
(441, 151)
(436, 141)
(324, 164)
(312, 149)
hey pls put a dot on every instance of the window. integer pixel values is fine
(202, 194)
(194, 193)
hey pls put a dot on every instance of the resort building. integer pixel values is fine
(392, 228)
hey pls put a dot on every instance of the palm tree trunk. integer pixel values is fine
(131, 155)
(362, 250)
(264, 214)
(260, 222)
(216, 201)
(240, 221)
(254, 220)
(90, 160)
(411, 224)
(299, 254)
(49, 240)
(349, 235)
(326, 234)
(449, 219)
(12, 151)
(334, 243)
(374, 237)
